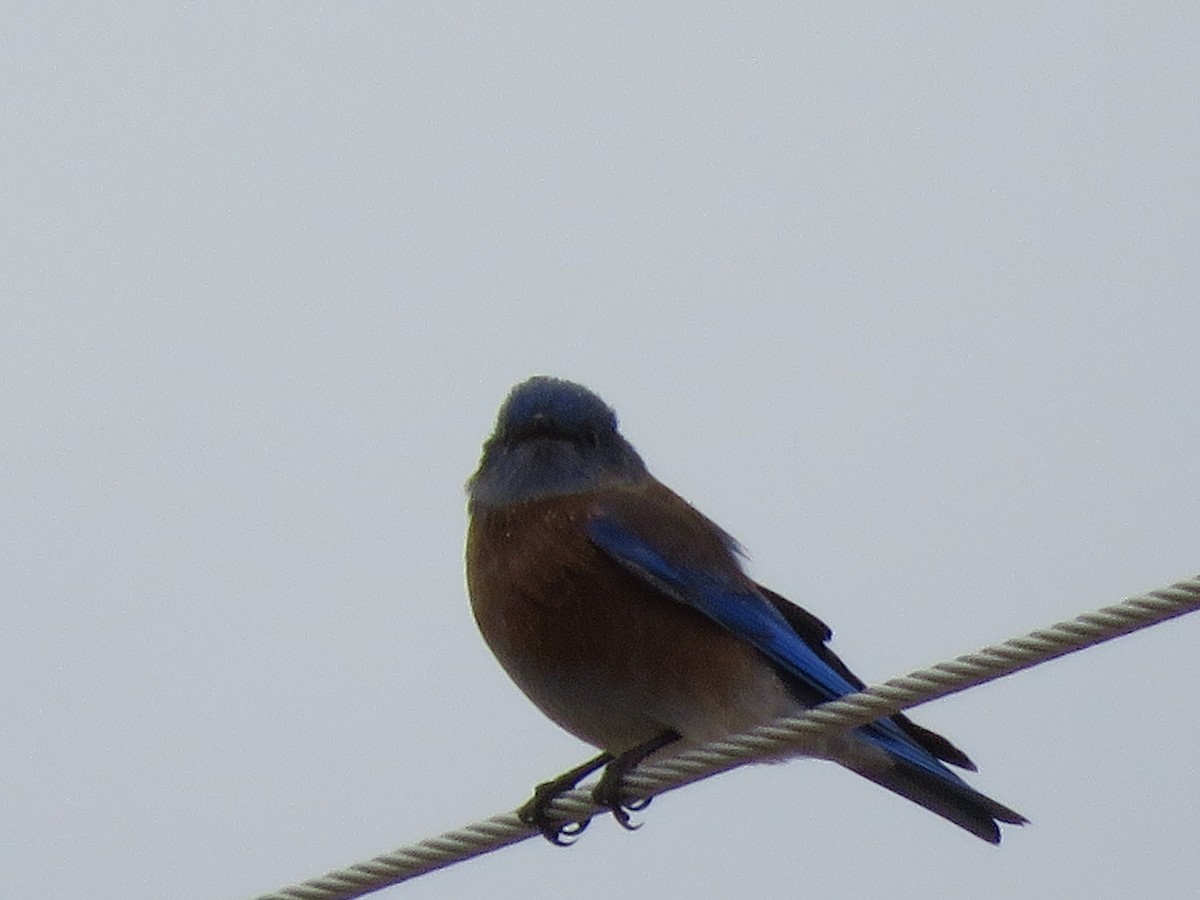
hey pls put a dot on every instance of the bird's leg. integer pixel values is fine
(535, 813)
(610, 791)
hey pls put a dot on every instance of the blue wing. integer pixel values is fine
(730, 601)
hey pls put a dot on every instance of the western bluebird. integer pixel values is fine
(625, 616)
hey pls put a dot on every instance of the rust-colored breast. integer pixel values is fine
(541, 593)
(600, 651)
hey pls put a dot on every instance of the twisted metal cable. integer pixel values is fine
(766, 741)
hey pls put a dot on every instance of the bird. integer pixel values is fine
(627, 617)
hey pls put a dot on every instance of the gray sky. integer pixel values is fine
(906, 301)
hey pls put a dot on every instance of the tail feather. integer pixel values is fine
(952, 800)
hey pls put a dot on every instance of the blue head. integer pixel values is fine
(552, 437)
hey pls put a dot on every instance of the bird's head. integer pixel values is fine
(552, 437)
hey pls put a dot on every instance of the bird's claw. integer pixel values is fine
(536, 814)
(609, 793)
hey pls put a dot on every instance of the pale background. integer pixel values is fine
(906, 300)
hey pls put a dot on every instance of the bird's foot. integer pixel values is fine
(610, 793)
(536, 812)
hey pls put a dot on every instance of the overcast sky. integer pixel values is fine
(908, 302)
